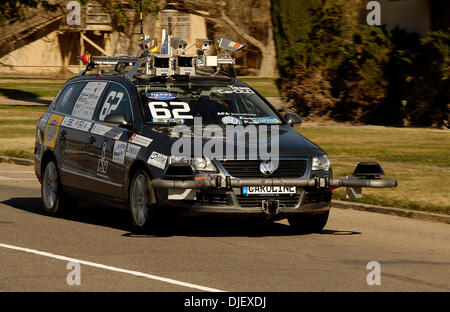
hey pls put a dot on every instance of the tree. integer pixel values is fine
(14, 10)
(246, 20)
(125, 17)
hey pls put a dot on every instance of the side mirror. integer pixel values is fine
(292, 119)
(117, 120)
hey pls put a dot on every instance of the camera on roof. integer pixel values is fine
(203, 44)
(178, 44)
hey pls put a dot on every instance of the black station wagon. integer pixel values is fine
(136, 139)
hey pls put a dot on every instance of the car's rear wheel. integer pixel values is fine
(51, 191)
(309, 223)
(142, 202)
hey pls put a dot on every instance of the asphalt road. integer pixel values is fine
(207, 254)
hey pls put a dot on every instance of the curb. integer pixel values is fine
(17, 161)
(421, 215)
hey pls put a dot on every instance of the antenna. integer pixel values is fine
(141, 19)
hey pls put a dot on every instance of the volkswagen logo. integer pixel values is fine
(267, 167)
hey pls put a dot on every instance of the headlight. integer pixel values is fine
(320, 163)
(197, 163)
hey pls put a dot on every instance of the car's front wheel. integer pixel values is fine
(142, 202)
(51, 191)
(309, 223)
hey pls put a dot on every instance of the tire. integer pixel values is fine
(51, 190)
(142, 203)
(309, 223)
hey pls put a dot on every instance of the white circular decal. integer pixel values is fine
(230, 120)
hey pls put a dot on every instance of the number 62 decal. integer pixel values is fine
(171, 110)
(108, 107)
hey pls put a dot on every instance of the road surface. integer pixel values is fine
(37, 252)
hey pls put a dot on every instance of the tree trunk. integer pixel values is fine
(268, 61)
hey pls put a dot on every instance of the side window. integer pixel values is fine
(88, 99)
(116, 100)
(68, 96)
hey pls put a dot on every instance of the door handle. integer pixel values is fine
(92, 140)
(63, 134)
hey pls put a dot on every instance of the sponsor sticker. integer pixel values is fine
(231, 120)
(165, 96)
(114, 133)
(140, 140)
(102, 165)
(264, 120)
(132, 151)
(106, 131)
(119, 151)
(51, 132)
(168, 120)
(158, 160)
(77, 124)
(236, 90)
(100, 129)
(87, 100)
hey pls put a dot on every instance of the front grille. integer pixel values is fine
(251, 201)
(250, 168)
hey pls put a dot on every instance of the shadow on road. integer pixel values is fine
(200, 226)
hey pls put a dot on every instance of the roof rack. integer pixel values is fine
(169, 59)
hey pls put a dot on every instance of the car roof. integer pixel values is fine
(220, 80)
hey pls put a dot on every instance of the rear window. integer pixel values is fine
(68, 96)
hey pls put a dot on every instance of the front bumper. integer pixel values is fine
(217, 195)
(317, 182)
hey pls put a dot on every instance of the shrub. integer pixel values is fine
(331, 66)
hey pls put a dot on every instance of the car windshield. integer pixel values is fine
(223, 104)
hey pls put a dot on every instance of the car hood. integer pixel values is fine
(290, 142)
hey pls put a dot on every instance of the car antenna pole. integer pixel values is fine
(143, 37)
(141, 19)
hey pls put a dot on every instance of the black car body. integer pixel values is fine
(167, 132)
(96, 156)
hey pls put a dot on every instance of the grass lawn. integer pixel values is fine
(418, 158)
(265, 86)
(17, 129)
(33, 87)
(17, 88)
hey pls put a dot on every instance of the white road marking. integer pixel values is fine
(111, 268)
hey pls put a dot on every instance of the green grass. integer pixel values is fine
(266, 86)
(26, 154)
(25, 122)
(17, 88)
(27, 90)
(16, 132)
(418, 158)
(14, 109)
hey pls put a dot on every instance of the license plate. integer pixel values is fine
(268, 190)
